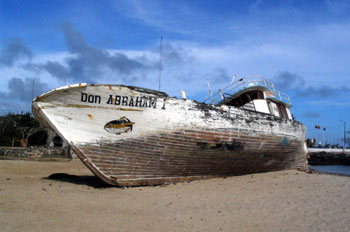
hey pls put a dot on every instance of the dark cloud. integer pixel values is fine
(56, 69)
(87, 63)
(13, 49)
(83, 64)
(24, 89)
(20, 94)
(311, 114)
(75, 41)
(220, 75)
(285, 81)
(175, 55)
(324, 91)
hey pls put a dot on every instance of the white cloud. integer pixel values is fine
(248, 57)
(243, 45)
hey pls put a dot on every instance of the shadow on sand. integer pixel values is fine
(91, 181)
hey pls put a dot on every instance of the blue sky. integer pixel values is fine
(303, 46)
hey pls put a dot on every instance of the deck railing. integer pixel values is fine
(237, 84)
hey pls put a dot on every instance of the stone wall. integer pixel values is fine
(35, 153)
(328, 158)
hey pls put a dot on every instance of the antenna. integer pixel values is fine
(33, 89)
(160, 60)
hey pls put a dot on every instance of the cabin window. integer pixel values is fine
(245, 98)
(282, 111)
(289, 114)
(273, 108)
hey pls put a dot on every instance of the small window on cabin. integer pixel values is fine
(245, 98)
(282, 111)
(256, 95)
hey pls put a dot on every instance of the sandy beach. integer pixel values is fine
(275, 201)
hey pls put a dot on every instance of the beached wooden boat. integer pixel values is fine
(130, 136)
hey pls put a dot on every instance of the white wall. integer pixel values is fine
(261, 106)
(289, 114)
(273, 109)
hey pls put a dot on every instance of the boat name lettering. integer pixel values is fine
(90, 98)
(140, 101)
(132, 101)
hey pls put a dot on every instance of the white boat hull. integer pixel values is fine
(131, 136)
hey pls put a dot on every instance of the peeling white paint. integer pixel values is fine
(65, 111)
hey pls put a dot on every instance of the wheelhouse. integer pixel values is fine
(253, 93)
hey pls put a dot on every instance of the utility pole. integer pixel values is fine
(324, 138)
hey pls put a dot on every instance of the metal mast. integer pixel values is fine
(32, 89)
(160, 60)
